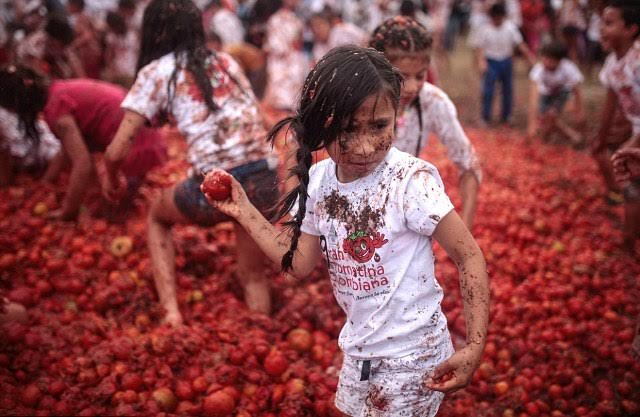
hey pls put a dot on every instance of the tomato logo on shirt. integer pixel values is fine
(362, 247)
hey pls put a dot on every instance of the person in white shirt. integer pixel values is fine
(224, 23)
(424, 108)
(372, 213)
(329, 31)
(286, 62)
(553, 80)
(494, 42)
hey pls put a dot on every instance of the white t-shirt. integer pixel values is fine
(564, 78)
(623, 77)
(497, 42)
(343, 33)
(375, 233)
(14, 140)
(228, 26)
(231, 136)
(287, 64)
(439, 116)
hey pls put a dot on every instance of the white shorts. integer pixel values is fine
(395, 386)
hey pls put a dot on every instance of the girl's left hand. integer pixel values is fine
(455, 372)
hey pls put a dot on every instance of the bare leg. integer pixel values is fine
(573, 135)
(631, 225)
(250, 272)
(162, 216)
(603, 158)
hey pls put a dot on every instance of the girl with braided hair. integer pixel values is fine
(211, 102)
(372, 212)
(425, 108)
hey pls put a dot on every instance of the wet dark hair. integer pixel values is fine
(630, 11)
(176, 26)
(58, 28)
(403, 34)
(497, 10)
(408, 8)
(554, 49)
(24, 92)
(332, 93)
(116, 23)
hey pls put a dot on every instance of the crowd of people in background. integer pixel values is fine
(83, 76)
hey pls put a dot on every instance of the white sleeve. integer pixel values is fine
(425, 201)
(49, 144)
(148, 94)
(574, 76)
(441, 118)
(309, 222)
(535, 74)
(516, 35)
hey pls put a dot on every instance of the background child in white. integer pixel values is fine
(494, 42)
(372, 212)
(424, 108)
(553, 80)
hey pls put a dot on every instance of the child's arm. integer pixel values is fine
(606, 119)
(73, 144)
(54, 167)
(113, 183)
(532, 122)
(469, 186)
(524, 49)
(273, 242)
(481, 60)
(455, 238)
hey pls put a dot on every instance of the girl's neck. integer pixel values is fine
(624, 48)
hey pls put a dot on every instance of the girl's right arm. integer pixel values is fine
(273, 241)
(73, 144)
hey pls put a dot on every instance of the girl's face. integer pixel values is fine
(414, 70)
(363, 144)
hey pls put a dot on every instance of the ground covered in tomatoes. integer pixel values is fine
(564, 303)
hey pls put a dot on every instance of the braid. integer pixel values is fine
(402, 34)
(304, 159)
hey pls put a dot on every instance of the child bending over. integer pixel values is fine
(553, 81)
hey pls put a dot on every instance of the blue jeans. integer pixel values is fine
(497, 71)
